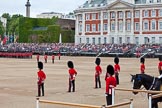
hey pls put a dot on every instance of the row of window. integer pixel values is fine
(146, 26)
(155, 1)
(153, 13)
(120, 40)
(148, 40)
(120, 15)
(150, 1)
(97, 27)
(152, 25)
(104, 40)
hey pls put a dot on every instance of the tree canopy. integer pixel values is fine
(28, 29)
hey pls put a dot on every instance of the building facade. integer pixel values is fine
(55, 14)
(49, 15)
(119, 21)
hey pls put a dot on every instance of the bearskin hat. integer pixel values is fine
(70, 64)
(142, 60)
(98, 60)
(160, 58)
(116, 60)
(110, 69)
(40, 65)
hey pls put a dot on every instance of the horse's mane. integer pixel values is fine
(148, 81)
(145, 75)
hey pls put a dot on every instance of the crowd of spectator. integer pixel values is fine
(80, 49)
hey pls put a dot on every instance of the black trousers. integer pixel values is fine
(117, 78)
(97, 81)
(52, 60)
(109, 99)
(45, 60)
(71, 84)
(41, 86)
(160, 72)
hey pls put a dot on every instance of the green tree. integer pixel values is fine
(14, 24)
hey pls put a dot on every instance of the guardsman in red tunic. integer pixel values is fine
(116, 69)
(98, 72)
(41, 79)
(59, 55)
(53, 58)
(110, 83)
(142, 67)
(45, 58)
(37, 57)
(160, 65)
(72, 74)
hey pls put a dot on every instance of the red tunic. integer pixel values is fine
(98, 70)
(59, 54)
(110, 81)
(116, 68)
(160, 66)
(72, 74)
(142, 68)
(53, 57)
(37, 57)
(41, 77)
(45, 57)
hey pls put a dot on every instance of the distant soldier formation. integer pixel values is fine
(46, 57)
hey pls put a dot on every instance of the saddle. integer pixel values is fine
(158, 85)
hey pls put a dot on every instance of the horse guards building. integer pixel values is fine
(119, 21)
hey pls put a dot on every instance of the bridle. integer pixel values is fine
(152, 85)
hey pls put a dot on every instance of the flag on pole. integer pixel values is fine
(4, 40)
(60, 38)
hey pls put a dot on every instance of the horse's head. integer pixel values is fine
(137, 82)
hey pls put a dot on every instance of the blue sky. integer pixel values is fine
(39, 6)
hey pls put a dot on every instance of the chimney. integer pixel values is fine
(89, 1)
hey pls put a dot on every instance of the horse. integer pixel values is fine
(149, 83)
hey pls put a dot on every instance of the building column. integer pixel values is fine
(124, 37)
(132, 22)
(109, 27)
(77, 25)
(83, 24)
(102, 24)
(132, 26)
(116, 22)
(141, 25)
(116, 27)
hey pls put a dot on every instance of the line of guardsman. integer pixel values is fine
(16, 54)
(111, 77)
(111, 81)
